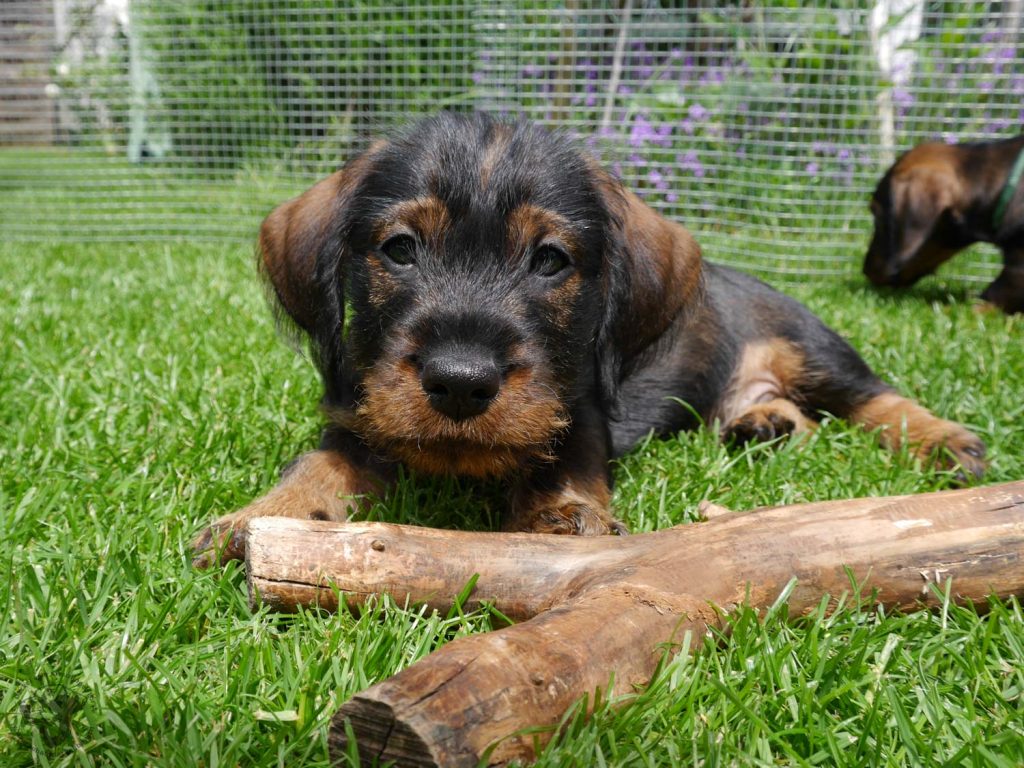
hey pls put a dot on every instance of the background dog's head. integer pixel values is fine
(496, 277)
(914, 207)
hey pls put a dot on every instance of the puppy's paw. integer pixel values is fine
(570, 512)
(225, 538)
(959, 451)
(577, 520)
(764, 422)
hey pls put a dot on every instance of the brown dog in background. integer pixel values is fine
(484, 300)
(936, 200)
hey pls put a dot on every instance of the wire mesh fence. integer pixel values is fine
(762, 126)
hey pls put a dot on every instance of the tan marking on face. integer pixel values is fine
(767, 371)
(395, 416)
(562, 300)
(530, 225)
(382, 284)
(427, 217)
(498, 146)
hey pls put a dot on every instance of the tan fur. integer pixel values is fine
(497, 147)
(776, 418)
(530, 225)
(427, 217)
(580, 507)
(767, 378)
(562, 299)
(925, 184)
(382, 284)
(291, 237)
(395, 416)
(901, 420)
(320, 485)
(664, 265)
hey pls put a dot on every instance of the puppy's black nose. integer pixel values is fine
(461, 382)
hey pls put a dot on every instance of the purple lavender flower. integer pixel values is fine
(689, 161)
(698, 112)
(657, 180)
(811, 168)
(664, 135)
(641, 131)
(902, 98)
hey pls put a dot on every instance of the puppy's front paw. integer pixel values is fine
(225, 538)
(577, 520)
(568, 512)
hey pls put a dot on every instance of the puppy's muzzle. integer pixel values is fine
(461, 381)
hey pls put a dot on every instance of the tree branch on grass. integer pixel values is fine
(595, 610)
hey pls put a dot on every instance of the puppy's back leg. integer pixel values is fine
(758, 404)
(838, 381)
(766, 421)
(901, 421)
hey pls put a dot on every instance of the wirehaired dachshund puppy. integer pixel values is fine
(936, 200)
(483, 300)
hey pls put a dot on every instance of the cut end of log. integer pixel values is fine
(382, 738)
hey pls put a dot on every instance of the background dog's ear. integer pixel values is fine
(302, 238)
(653, 274)
(919, 201)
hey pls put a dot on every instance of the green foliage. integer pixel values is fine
(300, 82)
(144, 392)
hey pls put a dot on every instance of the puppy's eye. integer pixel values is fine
(400, 250)
(548, 261)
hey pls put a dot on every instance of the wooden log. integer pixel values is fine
(598, 612)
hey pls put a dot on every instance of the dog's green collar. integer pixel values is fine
(1008, 189)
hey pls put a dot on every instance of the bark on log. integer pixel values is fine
(601, 607)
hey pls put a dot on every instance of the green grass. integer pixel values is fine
(143, 392)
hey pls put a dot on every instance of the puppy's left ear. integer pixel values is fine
(653, 275)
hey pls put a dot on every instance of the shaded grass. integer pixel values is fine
(143, 392)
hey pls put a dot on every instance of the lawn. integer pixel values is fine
(143, 392)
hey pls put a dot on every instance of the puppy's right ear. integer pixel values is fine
(302, 240)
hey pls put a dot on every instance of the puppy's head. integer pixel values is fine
(914, 207)
(495, 278)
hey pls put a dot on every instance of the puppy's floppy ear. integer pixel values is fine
(919, 199)
(653, 274)
(302, 239)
